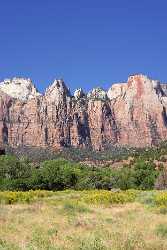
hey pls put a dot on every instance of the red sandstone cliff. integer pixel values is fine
(132, 113)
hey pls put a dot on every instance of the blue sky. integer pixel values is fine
(88, 43)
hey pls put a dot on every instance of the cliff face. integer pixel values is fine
(132, 113)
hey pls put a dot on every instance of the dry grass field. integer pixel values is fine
(67, 221)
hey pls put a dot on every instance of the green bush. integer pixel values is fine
(8, 197)
(161, 199)
(110, 197)
(144, 174)
(13, 168)
(59, 174)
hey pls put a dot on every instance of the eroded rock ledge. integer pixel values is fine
(131, 113)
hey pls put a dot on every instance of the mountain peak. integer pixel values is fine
(132, 113)
(20, 88)
(57, 91)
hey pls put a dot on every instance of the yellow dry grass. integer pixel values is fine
(56, 224)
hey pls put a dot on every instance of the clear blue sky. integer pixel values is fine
(88, 43)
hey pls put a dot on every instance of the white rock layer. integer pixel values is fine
(116, 90)
(20, 88)
(78, 93)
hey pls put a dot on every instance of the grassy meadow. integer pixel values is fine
(62, 204)
(83, 220)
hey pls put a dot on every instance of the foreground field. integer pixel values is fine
(85, 220)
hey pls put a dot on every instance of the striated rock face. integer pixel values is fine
(132, 113)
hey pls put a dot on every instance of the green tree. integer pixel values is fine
(145, 174)
(59, 174)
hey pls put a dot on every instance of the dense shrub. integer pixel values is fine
(144, 174)
(161, 199)
(95, 178)
(110, 197)
(13, 168)
(58, 174)
(8, 197)
(76, 203)
(15, 173)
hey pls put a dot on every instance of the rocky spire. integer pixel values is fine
(78, 93)
(57, 91)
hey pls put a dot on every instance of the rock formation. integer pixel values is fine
(132, 113)
(20, 88)
(78, 93)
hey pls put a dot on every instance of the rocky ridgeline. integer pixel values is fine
(132, 113)
(20, 88)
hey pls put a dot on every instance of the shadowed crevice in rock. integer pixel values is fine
(5, 133)
(164, 116)
(46, 135)
(109, 128)
(153, 131)
(84, 130)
